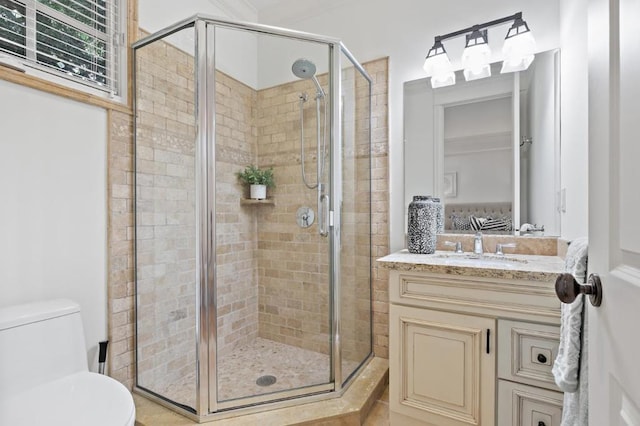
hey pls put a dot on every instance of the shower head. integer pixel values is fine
(305, 69)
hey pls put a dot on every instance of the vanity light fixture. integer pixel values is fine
(518, 51)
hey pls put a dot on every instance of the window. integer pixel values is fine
(74, 39)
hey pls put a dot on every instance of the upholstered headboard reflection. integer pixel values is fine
(484, 210)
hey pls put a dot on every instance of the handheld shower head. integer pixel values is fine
(305, 69)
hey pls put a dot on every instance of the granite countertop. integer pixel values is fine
(509, 266)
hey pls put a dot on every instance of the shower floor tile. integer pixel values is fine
(238, 372)
(292, 367)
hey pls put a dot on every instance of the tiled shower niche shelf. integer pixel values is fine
(252, 202)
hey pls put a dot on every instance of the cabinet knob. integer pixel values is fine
(542, 360)
(541, 424)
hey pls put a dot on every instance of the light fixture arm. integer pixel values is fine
(493, 23)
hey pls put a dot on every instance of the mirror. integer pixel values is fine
(489, 148)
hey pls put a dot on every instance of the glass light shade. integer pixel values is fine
(437, 61)
(518, 51)
(477, 73)
(475, 61)
(443, 79)
(438, 66)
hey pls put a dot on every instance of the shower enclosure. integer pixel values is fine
(247, 304)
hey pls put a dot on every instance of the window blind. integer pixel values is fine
(73, 38)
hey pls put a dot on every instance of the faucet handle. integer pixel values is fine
(458, 245)
(500, 246)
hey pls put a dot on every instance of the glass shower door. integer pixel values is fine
(355, 255)
(272, 282)
(166, 253)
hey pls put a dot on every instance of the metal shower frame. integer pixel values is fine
(207, 407)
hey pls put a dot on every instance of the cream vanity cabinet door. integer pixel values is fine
(444, 373)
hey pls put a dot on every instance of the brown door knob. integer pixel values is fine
(567, 288)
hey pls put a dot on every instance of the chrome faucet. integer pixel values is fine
(457, 244)
(477, 244)
(500, 246)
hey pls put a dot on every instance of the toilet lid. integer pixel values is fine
(80, 399)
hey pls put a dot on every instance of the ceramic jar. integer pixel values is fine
(422, 225)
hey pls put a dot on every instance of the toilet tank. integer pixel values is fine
(40, 342)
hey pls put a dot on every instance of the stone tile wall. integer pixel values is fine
(236, 225)
(293, 272)
(166, 221)
(379, 72)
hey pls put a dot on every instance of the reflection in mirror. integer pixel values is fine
(489, 148)
(540, 143)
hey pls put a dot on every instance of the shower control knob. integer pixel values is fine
(305, 217)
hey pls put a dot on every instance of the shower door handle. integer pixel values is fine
(323, 215)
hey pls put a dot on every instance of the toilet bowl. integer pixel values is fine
(44, 377)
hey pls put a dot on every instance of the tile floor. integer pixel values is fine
(238, 372)
(293, 368)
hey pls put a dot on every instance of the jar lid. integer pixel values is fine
(421, 197)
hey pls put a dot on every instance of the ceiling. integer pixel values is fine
(263, 4)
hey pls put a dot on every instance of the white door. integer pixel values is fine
(614, 211)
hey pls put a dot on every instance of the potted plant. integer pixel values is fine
(258, 179)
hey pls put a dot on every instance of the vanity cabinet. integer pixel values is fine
(468, 347)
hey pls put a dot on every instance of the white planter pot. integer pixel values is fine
(258, 192)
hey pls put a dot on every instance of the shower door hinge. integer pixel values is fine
(331, 218)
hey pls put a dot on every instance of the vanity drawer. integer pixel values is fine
(527, 351)
(523, 405)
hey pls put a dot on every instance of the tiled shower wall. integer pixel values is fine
(166, 219)
(293, 273)
(237, 225)
(379, 72)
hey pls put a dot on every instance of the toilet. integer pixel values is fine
(44, 377)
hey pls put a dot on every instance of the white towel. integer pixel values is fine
(570, 367)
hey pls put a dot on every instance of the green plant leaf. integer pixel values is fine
(253, 175)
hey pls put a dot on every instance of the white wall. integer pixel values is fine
(53, 220)
(276, 55)
(236, 51)
(418, 133)
(478, 147)
(479, 180)
(404, 31)
(574, 106)
(478, 118)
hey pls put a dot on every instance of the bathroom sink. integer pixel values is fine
(481, 259)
